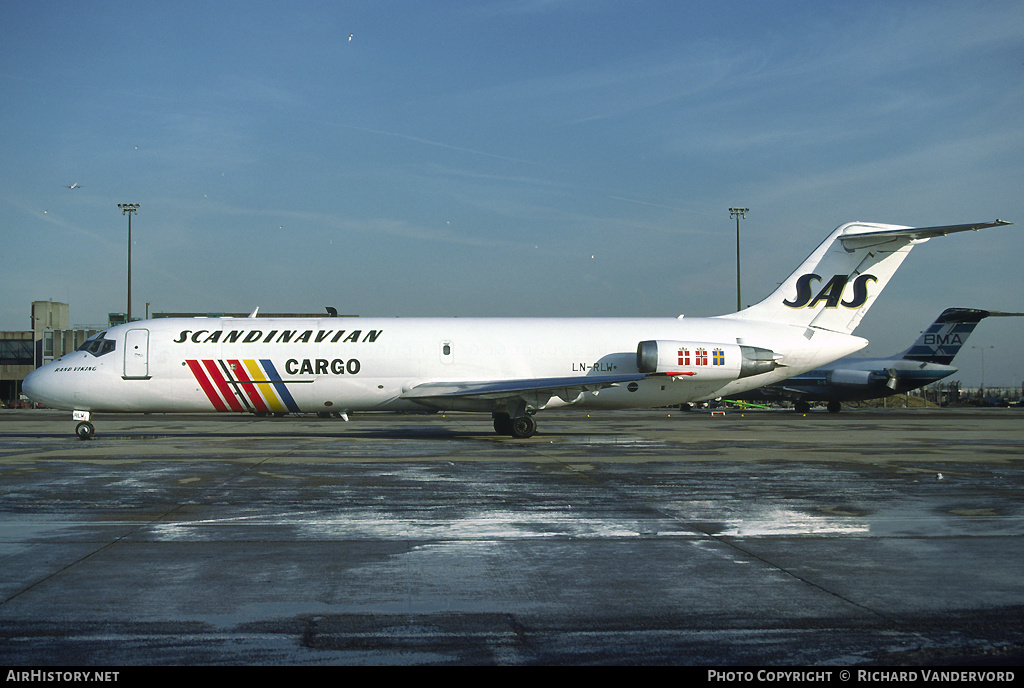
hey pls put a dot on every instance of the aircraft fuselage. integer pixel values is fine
(351, 364)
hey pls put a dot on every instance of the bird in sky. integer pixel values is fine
(75, 185)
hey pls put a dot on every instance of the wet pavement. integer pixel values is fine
(641, 537)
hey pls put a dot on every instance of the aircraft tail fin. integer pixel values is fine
(944, 338)
(837, 284)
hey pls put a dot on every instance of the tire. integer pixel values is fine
(85, 430)
(523, 427)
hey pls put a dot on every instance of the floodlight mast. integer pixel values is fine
(128, 209)
(738, 213)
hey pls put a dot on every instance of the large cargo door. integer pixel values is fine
(136, 355)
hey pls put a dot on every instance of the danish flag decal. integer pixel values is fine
(243, 385)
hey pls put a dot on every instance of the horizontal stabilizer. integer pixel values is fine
(864, 236)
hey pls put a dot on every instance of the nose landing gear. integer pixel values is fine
(85, 430)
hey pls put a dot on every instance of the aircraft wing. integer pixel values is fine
(777, 392)
(790, 392)
(566, 388)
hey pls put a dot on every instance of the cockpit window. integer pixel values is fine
(97, 345)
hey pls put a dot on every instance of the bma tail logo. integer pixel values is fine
(941, 340)
(831, 293)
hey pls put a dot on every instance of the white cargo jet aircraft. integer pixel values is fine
(510, 367)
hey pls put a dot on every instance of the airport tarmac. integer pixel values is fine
(887, 537)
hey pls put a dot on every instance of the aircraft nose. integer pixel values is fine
(31, 384)
(38, 386)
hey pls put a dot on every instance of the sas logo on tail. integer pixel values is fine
(831, 293)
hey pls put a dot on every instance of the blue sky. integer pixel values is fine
(525, 157)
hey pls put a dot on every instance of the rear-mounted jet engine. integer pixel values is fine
(704, 360)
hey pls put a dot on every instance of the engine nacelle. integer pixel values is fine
(858, 378)
(704, 360)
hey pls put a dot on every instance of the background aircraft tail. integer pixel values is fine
(837, 284)
(946, 336)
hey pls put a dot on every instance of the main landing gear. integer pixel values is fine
(520, 428)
